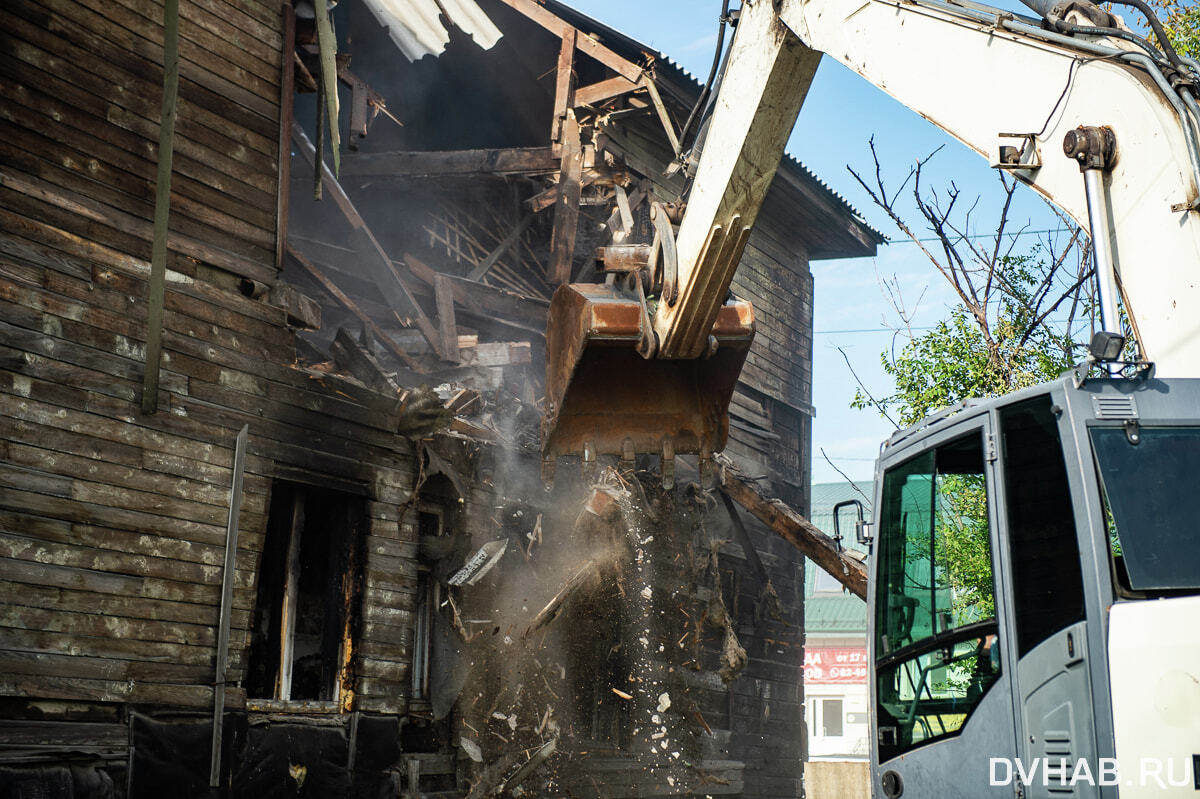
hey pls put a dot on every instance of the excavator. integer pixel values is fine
(1034, 575)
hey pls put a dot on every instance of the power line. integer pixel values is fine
(871, 330)
(988, 235)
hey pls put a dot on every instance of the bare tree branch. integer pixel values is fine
(878, 405)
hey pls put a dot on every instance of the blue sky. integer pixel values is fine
(842, 112)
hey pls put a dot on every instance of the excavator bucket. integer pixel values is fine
(604, 398)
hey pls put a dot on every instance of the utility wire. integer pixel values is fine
(870, 330)
(988, 235)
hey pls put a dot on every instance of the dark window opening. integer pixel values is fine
(438, 668)
(308, 590)
(429, 593)
(1047, 575)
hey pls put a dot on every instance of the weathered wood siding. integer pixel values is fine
(112, 523)
(80, 100)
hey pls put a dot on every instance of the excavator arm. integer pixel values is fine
(1096, 120)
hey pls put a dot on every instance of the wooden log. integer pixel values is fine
(317, 274)
(302, 312)
(586, 44)
(566, 209)
(443, 293)
(360, 363)
(796, 530)
(564, 84)
(162, 207)
(498, 353)
(600, 91)
(528, 313)
(287, 95)
(435, 164)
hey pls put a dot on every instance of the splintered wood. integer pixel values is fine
(797, 531)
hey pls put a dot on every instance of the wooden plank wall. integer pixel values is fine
(80, 100)
(111, 522)
(774, 277)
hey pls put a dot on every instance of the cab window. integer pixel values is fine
(935, 633)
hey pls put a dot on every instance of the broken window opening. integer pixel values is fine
(309, 584)
(438, 667)
(430, 524)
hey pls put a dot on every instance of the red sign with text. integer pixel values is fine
(835, 664)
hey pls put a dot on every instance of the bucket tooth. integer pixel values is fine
(707, 470)
(628, 456)
(668, 463)
(589, 461)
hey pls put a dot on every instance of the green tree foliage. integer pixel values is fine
(955, 361)
(1181, 18)
(961, 533)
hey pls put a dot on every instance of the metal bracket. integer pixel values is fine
(1130, 370)
(859, 525)
(1012, 158)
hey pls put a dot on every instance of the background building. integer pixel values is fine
(835, 653)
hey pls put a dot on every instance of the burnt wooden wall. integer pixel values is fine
(112, 523)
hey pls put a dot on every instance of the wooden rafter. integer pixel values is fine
(603, 90)
(340, 296)
(162, 207)
(566, 208)
(564, 84)
(798, 531)
(585, 43)
(375, 259)
(416, 164)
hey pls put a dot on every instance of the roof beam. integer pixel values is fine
(586, 44)
(603, 90)
(442, 163)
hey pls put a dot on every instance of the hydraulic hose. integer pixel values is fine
(1117, 33)
(1159, 32)
(998, 18)
(712, 74)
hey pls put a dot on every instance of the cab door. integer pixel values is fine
(941, 687)
(1046, 602)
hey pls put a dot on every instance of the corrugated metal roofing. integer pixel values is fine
(416, 26)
